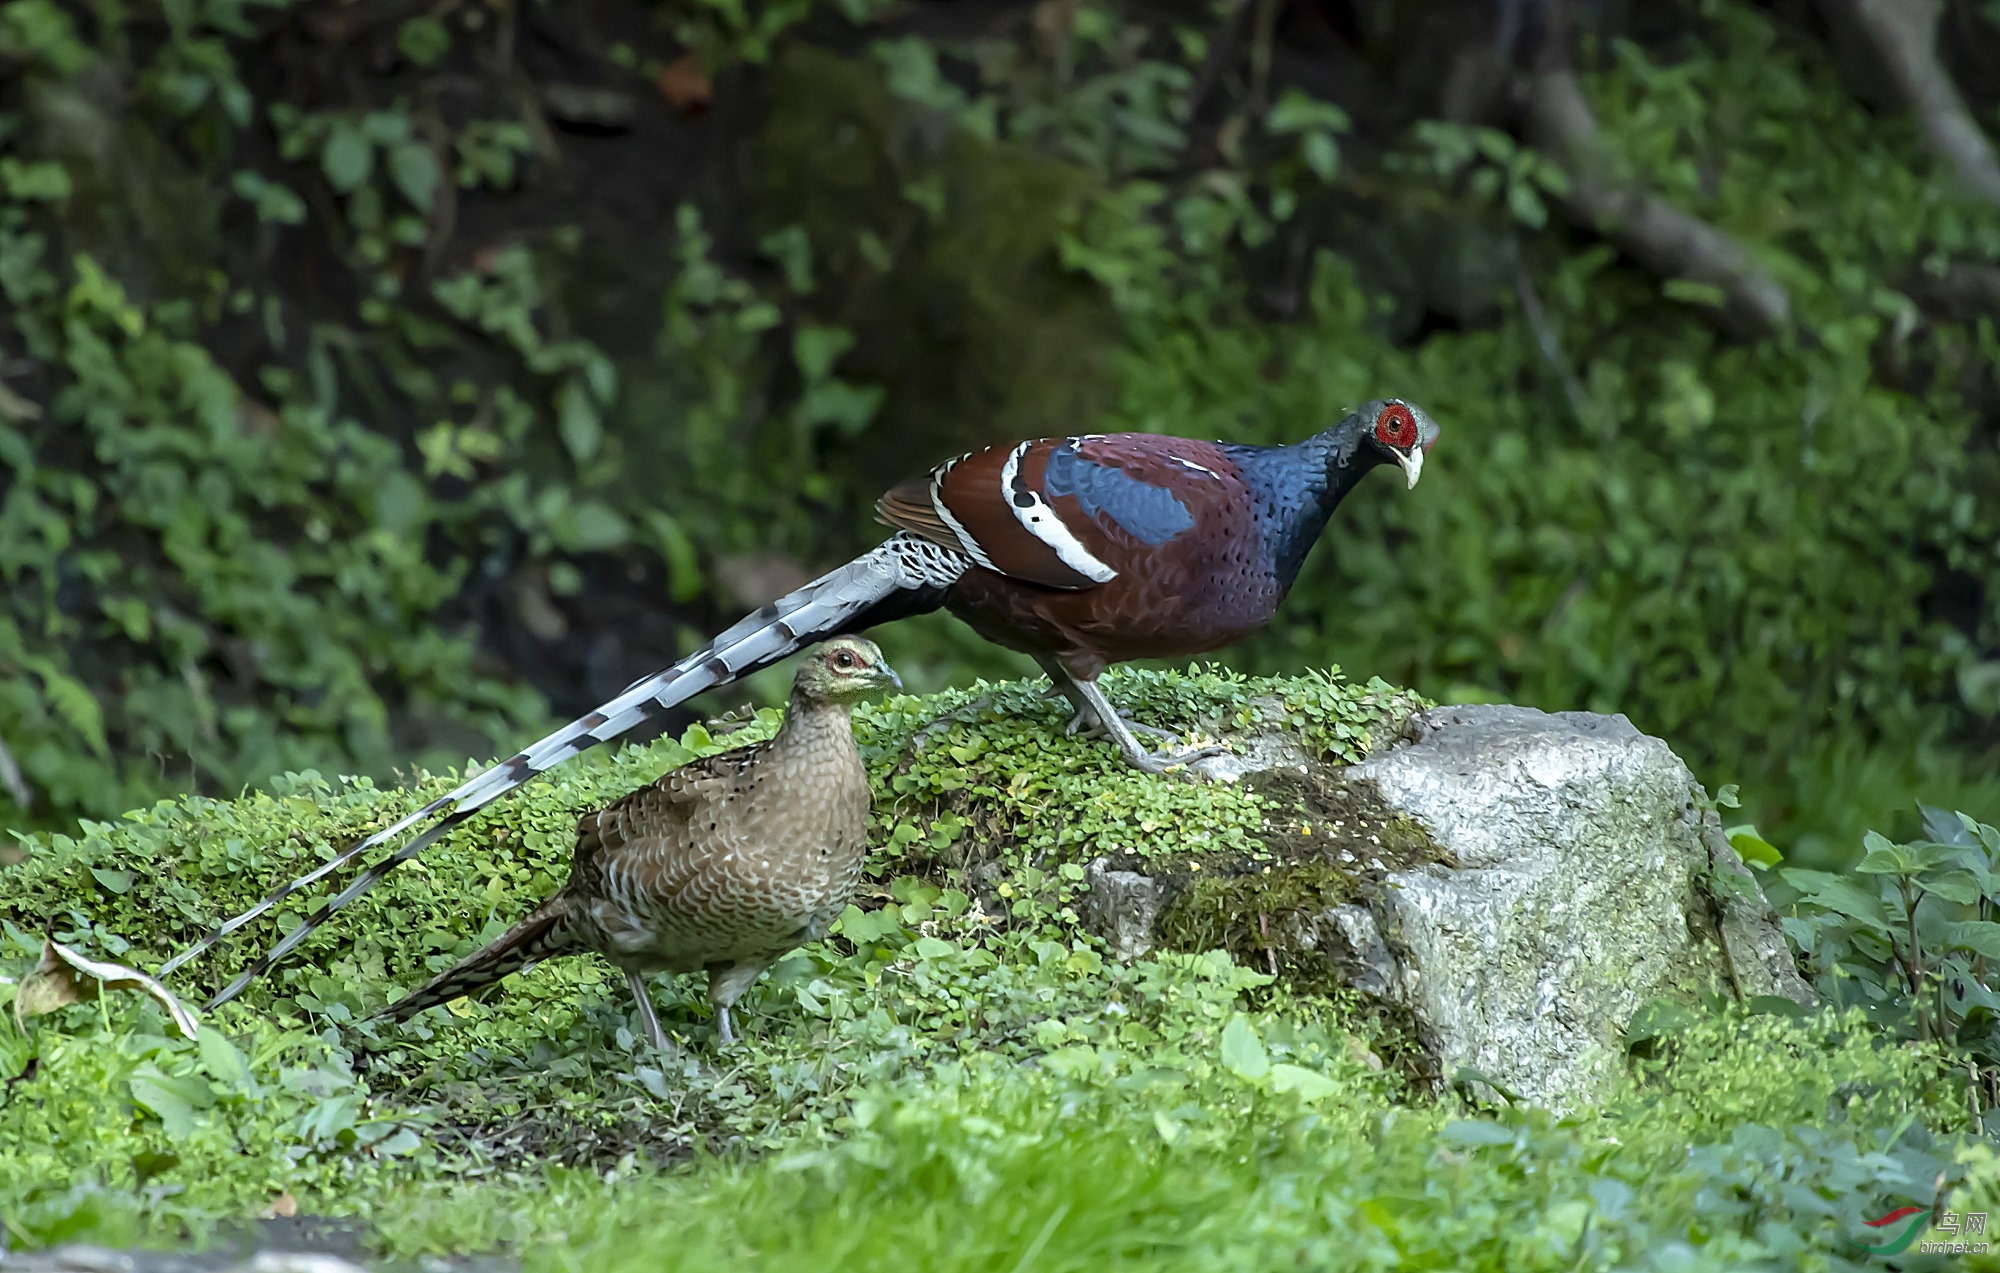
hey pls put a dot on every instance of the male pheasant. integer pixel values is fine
(1080, 551)
(723, 864)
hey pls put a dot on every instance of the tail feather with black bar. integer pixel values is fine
(542, 934)
(903, 576)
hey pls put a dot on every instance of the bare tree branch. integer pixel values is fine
(1664, 238)
(1903, 34)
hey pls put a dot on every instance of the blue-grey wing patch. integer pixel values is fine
(1150, 514)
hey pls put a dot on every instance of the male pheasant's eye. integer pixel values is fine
(1396, 426)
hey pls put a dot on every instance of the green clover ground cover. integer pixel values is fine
(957, 1079)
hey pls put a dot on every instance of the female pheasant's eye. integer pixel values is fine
(843, 659)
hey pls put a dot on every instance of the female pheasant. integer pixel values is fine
(1080, 551)
(722, 865)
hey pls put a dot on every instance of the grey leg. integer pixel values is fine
(1121, 733)
(1085, 719)
(654, 1034)
(726, 984)
(1085, 723)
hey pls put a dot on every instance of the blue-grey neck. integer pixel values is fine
(1299, 486)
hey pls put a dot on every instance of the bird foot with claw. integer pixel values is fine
(1087, 724)
(1154, 762)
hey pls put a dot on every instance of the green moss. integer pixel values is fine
(1254, 912)
(1114, 1161)
(1011, 789)
(1327, 840)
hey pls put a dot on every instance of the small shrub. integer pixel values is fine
(1911, 937)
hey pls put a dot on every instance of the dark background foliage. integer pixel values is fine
(379, 377)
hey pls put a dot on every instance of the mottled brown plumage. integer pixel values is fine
(722, 865)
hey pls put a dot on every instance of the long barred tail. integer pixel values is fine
(535, 938)
(903, 576)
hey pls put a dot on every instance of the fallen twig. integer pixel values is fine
(63, 977)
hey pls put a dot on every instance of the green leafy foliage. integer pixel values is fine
(216, 570)
(310, 477)
(1912, 937)
(119, 1107)
(1191, 1164)
(957, 1047)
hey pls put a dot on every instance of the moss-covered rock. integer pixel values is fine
(1510, 889)
(1506, 892)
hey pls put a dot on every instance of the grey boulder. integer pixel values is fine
(1519, 884)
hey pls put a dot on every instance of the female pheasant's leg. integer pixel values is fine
(1108, 719)
(654, 1034)
(726, 984)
